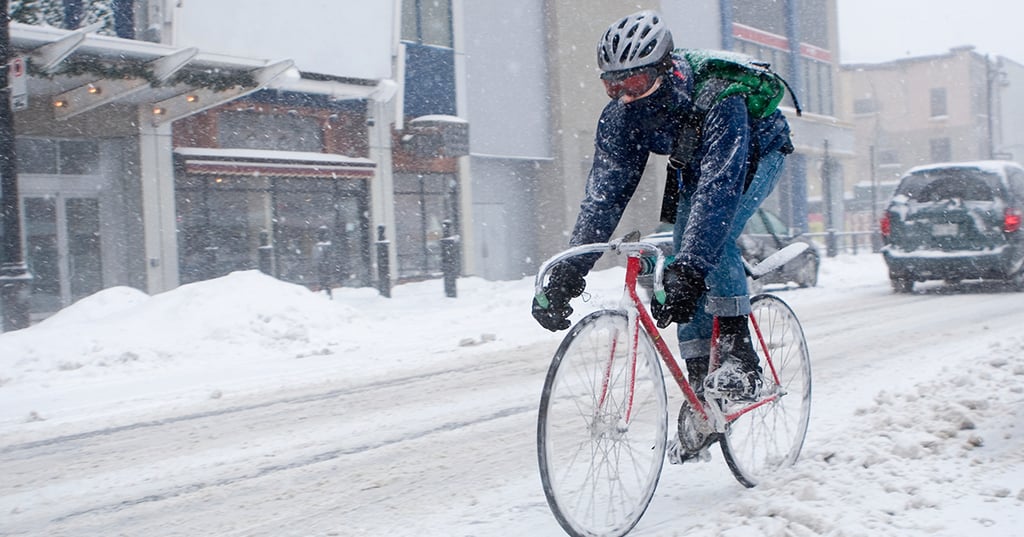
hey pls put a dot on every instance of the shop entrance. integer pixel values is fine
(62, 249)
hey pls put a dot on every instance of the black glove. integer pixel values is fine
(684, 285)
(565, 283)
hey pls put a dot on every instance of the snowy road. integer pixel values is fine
(448, 449)
(326, 457)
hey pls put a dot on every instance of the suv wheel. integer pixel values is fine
(1017, 280)
(901, 283)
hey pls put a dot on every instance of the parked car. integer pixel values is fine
(956, 221)
(764, 234)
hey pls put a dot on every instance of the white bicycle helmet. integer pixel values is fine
(637, 40)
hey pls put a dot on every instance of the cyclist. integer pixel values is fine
(723, 174)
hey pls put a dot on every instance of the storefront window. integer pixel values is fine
(246, 129)
(219, 224)
(78, 157)
(423, 202)
(222, 221)
(427, 22)
(65, 157)
(36, 156)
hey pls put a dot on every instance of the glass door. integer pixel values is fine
(62, 239)
(85, 267)
(42, 253)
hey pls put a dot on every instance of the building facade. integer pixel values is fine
(150, 155)
(923, 110)
(470, 118)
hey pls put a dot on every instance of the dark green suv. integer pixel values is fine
(956, 221)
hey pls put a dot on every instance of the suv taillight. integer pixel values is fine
(1011, 219)
(885, 225)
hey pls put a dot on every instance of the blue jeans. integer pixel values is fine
(728, 295)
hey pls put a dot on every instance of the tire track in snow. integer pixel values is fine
(302, 399)
(296, 464)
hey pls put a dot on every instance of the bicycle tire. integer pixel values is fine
(770, 437)
(599, 472)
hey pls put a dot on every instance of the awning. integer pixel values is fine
(79, 70)
(266, 163)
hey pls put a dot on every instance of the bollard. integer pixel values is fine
(210, 268)
(322, 260)
(383, 265)
(831, 249)
(449, 258)
(265, 254)
(876, 240)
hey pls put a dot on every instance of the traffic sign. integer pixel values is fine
(18, 82)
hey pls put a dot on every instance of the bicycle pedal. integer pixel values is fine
(674, 452)
(677, 455)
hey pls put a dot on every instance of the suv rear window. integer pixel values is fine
(969, 184)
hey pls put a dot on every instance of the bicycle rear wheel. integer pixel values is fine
(601, 430)
(770, 437)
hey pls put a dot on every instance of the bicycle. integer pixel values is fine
(602, 428)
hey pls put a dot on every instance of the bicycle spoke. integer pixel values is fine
(599, 471)
(771, 436)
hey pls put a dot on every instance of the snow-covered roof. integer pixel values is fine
(32, 40)
(263, 162)
(437, 118)
(270, 155)
(992, 166)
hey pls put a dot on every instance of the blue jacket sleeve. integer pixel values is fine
(620, 154)
(716, 195)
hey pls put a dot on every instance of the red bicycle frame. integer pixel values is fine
(646, 323)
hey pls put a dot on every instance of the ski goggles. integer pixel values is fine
(633, 83)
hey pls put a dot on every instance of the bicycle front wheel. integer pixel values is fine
(771, 436)
(601, 430)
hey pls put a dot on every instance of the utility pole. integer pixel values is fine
(14, 275)
(831, 248)
(988, 105)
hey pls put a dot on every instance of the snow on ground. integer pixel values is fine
(931, 464)
(240, 333)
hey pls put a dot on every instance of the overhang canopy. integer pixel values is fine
(78, 70)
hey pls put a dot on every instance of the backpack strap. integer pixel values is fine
(711, 92)
(688, 140)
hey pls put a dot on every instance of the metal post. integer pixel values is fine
(876, 231)
(322, 260)
(210, 268)
(831, 249)
(449, 258)
(15, 279)
(265, 253)
(383, 264)
(988, 106)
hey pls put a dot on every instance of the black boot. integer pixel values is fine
(694, 435)
(696, 371)
(738, 377)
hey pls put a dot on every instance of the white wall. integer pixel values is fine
(507, 78)
(1011, 122)
(694, 23)
(349, 38)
